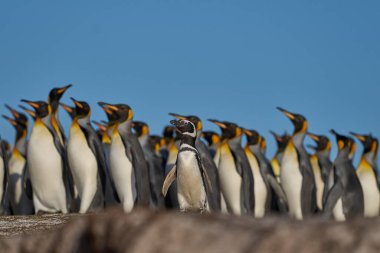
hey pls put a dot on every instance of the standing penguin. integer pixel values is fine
(190, 174)
(45, 163)
(213, 140)
(345, 199)
(296, 175)
(86, 160)
(127, 159)
(19, 187)
(322, 168)
(154, 160)
(235, 174)
(367, 174)
(4, 172)
(282, 142)
(213, 196)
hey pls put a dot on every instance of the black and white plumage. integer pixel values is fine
(190, 175)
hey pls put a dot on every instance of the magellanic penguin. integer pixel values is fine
(345, 199)
(44, 158)
(367, 174)
(19, 187)
(213, 196)
(189, 172)
(322, 167)
(213, 140)
(151, 148)
(127, 159)
(86, 159)
(296, 174)
(235, 174)
(268, 192)
(282, 142)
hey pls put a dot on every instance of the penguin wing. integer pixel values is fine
(172, 175)
(27, 183)
(332, 197)
(277, 188)
(57, 143)
(206, 178)
(6, 164)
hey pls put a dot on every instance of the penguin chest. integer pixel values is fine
(122, 173)
(230, 180)
(318, 181)
(191, 191)
(83, 163)
(260, 189)
(291, 180)
(371, 195)
(16, 171)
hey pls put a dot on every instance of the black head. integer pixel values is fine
(70, 110)
(154, 143)
(194, 119)
(299, 121)
(19, 117)
(28, 111)
(111, 114)
(41, 108)
(369, 142)
(253, 137)
(211, 137)
(82, 109)
(323, 143)
(55, 95)
(185, 127)
(229, 130)
(120, 112)
(344, 142)
(141, 128)
(281, 140)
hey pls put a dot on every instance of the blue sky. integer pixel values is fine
(229, 60)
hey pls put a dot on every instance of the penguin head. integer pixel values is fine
(19, 117)
(211, 137)
(70, 110)
(41, 108)
(141, 128)
(82, 109)
(111, 114)
(323, 143)
(369, 142)
(55, 95)
(185, 127)
(194, 119)
(281, 140)
(229, 130)
(28, 111)
(253, 137)
(299, 121)
(154, 143)
(117, 112)
(345, 144)
(167, 135)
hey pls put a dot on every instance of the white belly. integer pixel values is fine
(230, 181)
(291, 180)
(338, 211)
(370, 192)
(191, 191)
(318, 182)
(2, 175)
(84, 168)
(122, 174)
(260, 189)
(46, 167)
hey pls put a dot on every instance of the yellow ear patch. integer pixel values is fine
(215, 139)
(199, 126)
(145, 130)
(238, 131)
(340, 144)
(130, 114)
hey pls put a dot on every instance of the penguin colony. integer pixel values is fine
(120, 164)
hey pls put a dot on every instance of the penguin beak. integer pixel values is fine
(247, 132)
(101, 126)
(63, 89)
(177, 116)
(77, 103)
(358, 136)
(30, 112)
(287, 113)
(66, 108)
(218, 123)
(105, 107)
(13, 111)
(313, 136)
(312, 147)
(31, 103)
(276, 136)
(13, 122)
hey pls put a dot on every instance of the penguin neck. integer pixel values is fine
(125, 128)
(20, 145)
(187, 140)
(298, 138)
(255, 149)
(199, 135)
(83, 122)
(143, 139)
(235, 142)
(369, 157)
(343, 155)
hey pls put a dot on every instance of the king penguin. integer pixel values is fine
(154, 160)
(189, 172)
(282, 142)
(345, 199)
(86, 159)
(213, 141)
(45, 163)
(296, 175)
(367, 174)
(322, 167)
(19, 186)
(235, 174)
(213, 196)
(4, 172)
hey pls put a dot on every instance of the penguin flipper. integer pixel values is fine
(27, 183)
(206, 178)
(172, 175)
(332, 197)
(6, 164)
(277, 188)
